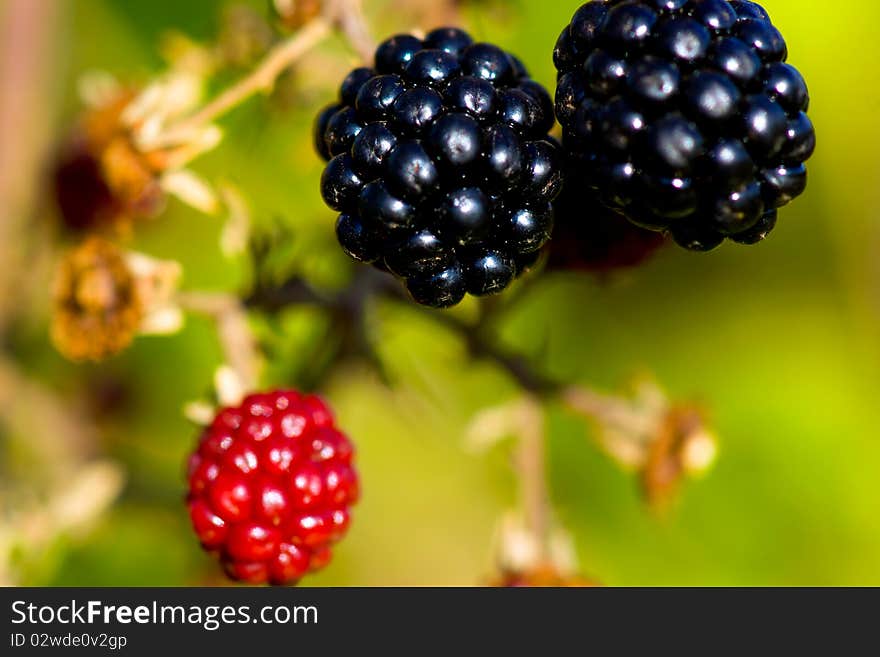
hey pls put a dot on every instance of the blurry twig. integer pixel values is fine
(238, 342)
(261, 79)
(634, 418)
(27, 31)
(347, 15)
(51, 425)
(76, 502)
(533, 475)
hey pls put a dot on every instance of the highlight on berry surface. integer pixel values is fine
(684, 116)
(441, 166)
(271, 485)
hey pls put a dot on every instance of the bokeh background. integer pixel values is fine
(780, 341)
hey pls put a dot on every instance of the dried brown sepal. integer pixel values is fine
(97, 303)
(682, 446)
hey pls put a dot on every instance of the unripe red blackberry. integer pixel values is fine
(439, 165)
(684, 116)
(270, 487)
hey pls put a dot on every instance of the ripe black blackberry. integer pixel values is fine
(684, 115)
(440, 165)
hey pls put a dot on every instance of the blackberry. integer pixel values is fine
(440, 165)
(683, 115)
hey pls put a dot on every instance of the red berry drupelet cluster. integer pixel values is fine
(270, 487)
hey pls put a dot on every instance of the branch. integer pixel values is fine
(261, 79)
(531, 462)
(236, 338)
(481, 344)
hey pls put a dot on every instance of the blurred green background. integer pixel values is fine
(779, 340)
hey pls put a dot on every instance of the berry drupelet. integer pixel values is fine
(440, 165)
(270, 487)
(684, 115)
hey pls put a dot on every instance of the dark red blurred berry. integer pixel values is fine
(592, 238)
(270, 486)
(84, 198)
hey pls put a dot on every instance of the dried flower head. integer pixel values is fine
(683, 446)
(524, 559)
(103, 297)
(101, 180)
(128, 150)
(663, 442)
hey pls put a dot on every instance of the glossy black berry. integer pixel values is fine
(340, 183)
(342, 129)
(377, 96)
(682, 116)
(454, 140)
(433, 67)
(527, 228)
(441, 165)
(351, 85)
(320, 130)
(487, 62)
(472, 95)
(411, 171)
(418, 254)
(488, 272)
(443, 288)
(448, 39)
(416, 108)
(356, 239)
(466, 214)
(372, 146)
(384, 211)
(395, 54)
(716, 15)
